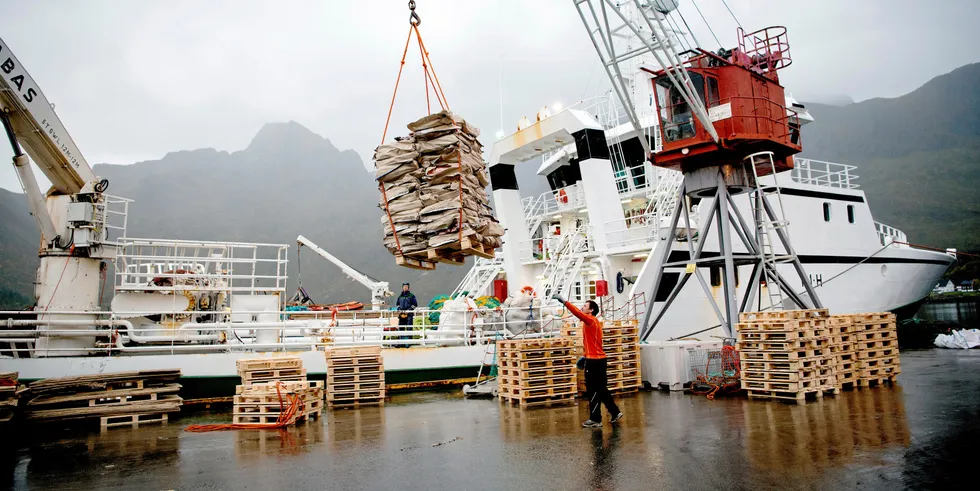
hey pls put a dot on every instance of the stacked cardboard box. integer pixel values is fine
(536, 372)
(434, 200)
(355, 376)
(620, 342)
(786, 354)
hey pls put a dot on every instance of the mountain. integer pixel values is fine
(288, 181)
(918, 156)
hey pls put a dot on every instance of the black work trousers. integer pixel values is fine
(596, 391)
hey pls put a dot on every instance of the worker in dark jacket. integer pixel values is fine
(595, 365)
(406, 303)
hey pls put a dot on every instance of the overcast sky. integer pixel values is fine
(132, 81)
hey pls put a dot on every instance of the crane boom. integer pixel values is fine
(379, 289)
(38, 128)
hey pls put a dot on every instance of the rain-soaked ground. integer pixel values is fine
(923, 433)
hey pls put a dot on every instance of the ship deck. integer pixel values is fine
(921, 433)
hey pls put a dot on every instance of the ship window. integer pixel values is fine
(850, 213)
(826, 212)
(676, 118)
(713, 97)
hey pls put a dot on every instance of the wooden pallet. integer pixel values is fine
(779, 336)
(791, 376)
(554, 400)
(338, 371)
(357, 387)
(275, 374)
(534, 344)
(352, 352)
(252, 364)
(798, 397)
(413, 263)
(784, 314)
(368, 361)
(799, 386)
(132, 420)
(536, 363)
(270, 386)
(356, 378)
(875, 381)
(520, 382)
(789, 365)
(535, 372)
(556, 353)
(519, 392)
(754, 355)
(788, 346)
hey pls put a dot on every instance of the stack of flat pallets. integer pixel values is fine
(355, 376)
(875, 341)
(786, 354)
(261, 370)
(621, 343)
(843, 342)
(118, 399)
(536, 372)
(262, 403)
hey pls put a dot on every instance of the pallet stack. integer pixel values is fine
(8, 395)
(355, 377)
(117, 399)
(875, 341)
(536, 372)
(262, 370)
(842, 346)
(262, 403)
(620, 342)
(786, 354)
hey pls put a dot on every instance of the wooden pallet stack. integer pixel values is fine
(875, 341)
(355, 376)
(786, 354)
(262, 370)
(621, 343)
(841, 330)
(117, 399)
(262, 403)
(8, 395)
(536, 372)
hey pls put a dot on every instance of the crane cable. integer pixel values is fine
(733, 13)
(432, 79)
(712, 31)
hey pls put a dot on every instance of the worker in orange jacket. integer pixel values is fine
(595, 365)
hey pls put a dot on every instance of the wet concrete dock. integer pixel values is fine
(922, 434)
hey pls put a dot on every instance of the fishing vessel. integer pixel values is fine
(600, 232)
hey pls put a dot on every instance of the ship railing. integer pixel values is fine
(178, 265)
(115, 219)
(634, 231)
(821, 173)
(294, 330)
(890, 236)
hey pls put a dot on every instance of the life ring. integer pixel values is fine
(529, 290)
(562, 197)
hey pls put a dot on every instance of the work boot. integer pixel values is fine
(592, 424)
(616, 418)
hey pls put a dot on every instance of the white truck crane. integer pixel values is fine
(71, 216)
(379, 289)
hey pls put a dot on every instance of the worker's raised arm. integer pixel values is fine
(571, 308)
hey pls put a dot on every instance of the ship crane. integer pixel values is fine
(379, 289)
(71, 217)
(723, 124)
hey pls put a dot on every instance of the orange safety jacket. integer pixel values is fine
(591, 333)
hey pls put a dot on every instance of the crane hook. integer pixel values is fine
(413, 18)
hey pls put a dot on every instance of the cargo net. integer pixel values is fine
(715, 371)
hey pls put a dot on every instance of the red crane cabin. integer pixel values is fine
(745, 103)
